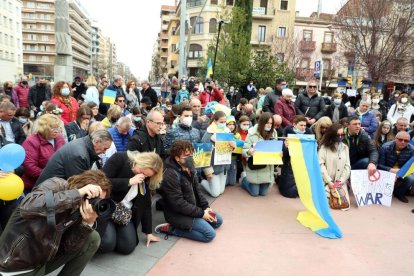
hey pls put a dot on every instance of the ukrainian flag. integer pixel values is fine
(209, 68)
(310, 186)
(407, 169)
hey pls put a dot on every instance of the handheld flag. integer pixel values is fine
(268, 152)
(109, 96)
(407, 169)
(209, 68)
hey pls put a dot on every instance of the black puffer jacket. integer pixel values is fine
(141, 141)
(312, 107)
(361, 146)
(182, 198)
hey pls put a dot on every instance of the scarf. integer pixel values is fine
(68, 103)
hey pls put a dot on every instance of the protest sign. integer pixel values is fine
(223, 150)
(268, 152)
(202, 154)
(109, 96)
(375, 189)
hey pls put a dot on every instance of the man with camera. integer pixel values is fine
(54, 226)
(210, 94)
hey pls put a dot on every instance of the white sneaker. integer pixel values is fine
(242, 175)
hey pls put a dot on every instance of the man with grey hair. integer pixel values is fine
(147, 91)
(77, 156)
(392, 157)
(121, 132)
(117, 86)
(148, 138)
(200, 121)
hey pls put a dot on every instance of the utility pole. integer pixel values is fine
(183, 18)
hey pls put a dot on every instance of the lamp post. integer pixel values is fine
(220, 22)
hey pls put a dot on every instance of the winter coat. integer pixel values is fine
(270, 101)
(397, 111)
(182, 132)
(265, 175)
(22, 92)
(335, 165)
(120, 140)
(286, 110)
(181, 95)
(207, 96)
(33, 97)
(118, 170)
(360, 146)
(343, 111)
(74, 131)
(17, 129)
(92, 95)
(152, 94)
(38, 152)
(143, 142)
(388, 157)
(368, 122)
(72, 159)
(80, 90)
(312, 107)
(182, 197)
(133, 99)
(67, 115)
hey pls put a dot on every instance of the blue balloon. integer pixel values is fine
(11, 157)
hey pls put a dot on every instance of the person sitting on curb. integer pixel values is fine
(186, 210)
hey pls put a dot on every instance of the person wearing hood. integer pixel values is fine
(184, 131)
(257, 181)
(287, 184)
(216, 174)
(186, 210)
(401, 108)
(337, 110)
(368, 121)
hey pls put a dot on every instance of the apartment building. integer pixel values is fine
(173, 39)
(167, 14)
(11, 52)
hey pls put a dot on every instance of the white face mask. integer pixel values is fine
(187, 121)
(244, 127)
(267, 128)
(404, 100)
(375, 101)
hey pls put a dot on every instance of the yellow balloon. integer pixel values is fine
(11, 187)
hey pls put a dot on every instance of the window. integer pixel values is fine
(198, 27)
(213, 2)
(32, 47)
(12, 56)
(195, 3)
(328, 37)
(6, 56)
(45, 38)
(12, 41)
(281, 32)
(19, 58)
(17, 26)
(1, 37)
(305, 62)
(32, 58)
(18, 43)
(229, 2)
(284, 5)
(196, 51)
(31, 37)
(173, 47)
(11, 24)
(31, 5)
(262, 33)
(45, 58)
(173, 30)
(280, 57)
(6, 39)
(326, 64)
(307, 35)
(212, 27)
(31, 26)
(263, 4)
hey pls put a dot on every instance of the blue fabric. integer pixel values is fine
(255, 189)
(231, 173)
(201, 230)
(368, 122)
(120, 141)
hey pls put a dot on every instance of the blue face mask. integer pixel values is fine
(297, 131)
(137, 119)
(337, 102)
(284, 87)
(65, 91)
(221, 125)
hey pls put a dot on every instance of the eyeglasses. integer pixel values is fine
(312, 86)
(157, 123)
(403, 140)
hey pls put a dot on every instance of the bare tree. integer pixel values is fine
(378, 35)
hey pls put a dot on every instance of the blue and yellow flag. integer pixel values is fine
(407, 169)
(311, 190)
(209, 68)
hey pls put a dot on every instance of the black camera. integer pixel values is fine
(103, 207)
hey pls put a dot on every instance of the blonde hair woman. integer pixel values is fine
(320, 127)
(40, 146)
(92, 93)
(133, 176)
(114, 113)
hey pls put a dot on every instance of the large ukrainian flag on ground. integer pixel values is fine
(308, 178)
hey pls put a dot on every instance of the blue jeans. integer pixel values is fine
(231, 173)
(255, 189)
(405, 185)
(201, 230)
(361, 164)
(164, 95)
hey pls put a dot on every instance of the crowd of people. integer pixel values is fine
(79, 148)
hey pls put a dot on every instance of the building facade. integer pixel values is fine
(167, 14)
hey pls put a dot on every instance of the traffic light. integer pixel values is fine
(359, 84)
(349, 80)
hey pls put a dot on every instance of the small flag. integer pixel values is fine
(209, 68)
(407, 169)
(268, 152)
(109, 96)
(239, 147)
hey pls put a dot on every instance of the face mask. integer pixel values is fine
(337, 102)
(189, 162)
(41, 84)
(284, 87)
(404, 100)
(65, 92)
(184, 88)
(297, 131)
(244, 127)
(169, 108)
(396, 96)
(24, 82)
(187, 121)
(375, 101)
(137, 119)
(221, 125)
(338, 139)
(23, 120)
(381, 98)
(267, 129)
(113, 120)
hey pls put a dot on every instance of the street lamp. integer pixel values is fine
(220, 22)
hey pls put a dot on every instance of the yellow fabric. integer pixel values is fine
(267, 158)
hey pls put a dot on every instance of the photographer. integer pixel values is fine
(53, 226)
(210, 94)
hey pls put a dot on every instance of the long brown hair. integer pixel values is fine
(328, 140)
(263, 119)
(95, 177)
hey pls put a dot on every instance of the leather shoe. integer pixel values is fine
(402, 198)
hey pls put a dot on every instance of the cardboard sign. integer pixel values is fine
(223, 150)
(202, 154)
(375, 189)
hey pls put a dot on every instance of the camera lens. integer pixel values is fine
(103, 207)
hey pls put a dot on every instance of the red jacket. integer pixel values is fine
(286, 110)
(67, 116)
(206, 96)
(38, 151)
(23, 95)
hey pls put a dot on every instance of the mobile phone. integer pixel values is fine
(212, 214)
(202, 110)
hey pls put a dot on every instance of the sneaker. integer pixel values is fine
(162, 228)
(242, 175)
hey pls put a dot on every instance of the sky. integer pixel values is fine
(134, 25)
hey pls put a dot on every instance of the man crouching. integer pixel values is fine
(54, 226)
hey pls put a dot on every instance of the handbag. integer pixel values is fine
(122, 214)
(254, 167)
(338, 199)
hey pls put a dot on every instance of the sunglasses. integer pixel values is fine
(403, 140)
(312, 86)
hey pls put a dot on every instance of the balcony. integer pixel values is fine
(164, 54)
(263, 13)
(307, 46)
(163, 36)
(329, 73)
(304, 73)
(164, 45)
(328, 48)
